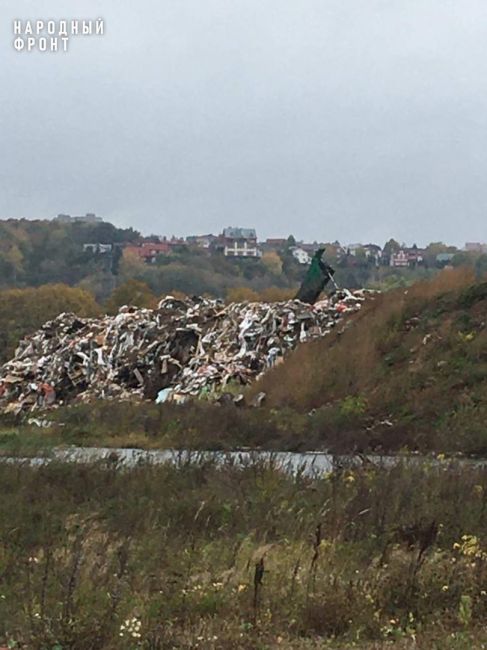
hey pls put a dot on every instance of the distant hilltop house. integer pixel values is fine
(373, 251)
(475, 247)
(89, 217)
(148, 250)
(240, 242)
(201, 241)
(273, 244)
(369, 251)
(352, 249)
(97, 248)
(309, 248)
(444, 259)
(300, 255)
(406, 257)
(399, 259)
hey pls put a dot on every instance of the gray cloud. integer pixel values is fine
(325, 118)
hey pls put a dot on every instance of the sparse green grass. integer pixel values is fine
(26, 442)
(221, 558)
(200, 425)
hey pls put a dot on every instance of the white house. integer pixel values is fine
(302, 256)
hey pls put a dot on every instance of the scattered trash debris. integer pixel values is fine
(43, 424)
(259, 399)
(185, 348)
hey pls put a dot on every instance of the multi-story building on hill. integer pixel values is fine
(240, 242)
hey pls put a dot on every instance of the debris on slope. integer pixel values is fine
(183, 348)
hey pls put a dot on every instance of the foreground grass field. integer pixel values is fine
(250, 558)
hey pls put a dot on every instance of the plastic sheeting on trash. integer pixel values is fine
(184, 348)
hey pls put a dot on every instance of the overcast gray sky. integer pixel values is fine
(354, 120)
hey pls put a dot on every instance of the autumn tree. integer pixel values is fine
(390, 247)
(22, 311)
(131, 292)
(436, 248)
(131, 265)
(272, 262)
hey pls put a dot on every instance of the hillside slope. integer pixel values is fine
(411, 370)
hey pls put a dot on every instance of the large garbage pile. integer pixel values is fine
(183, 348)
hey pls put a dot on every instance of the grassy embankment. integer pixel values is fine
(201, 557)
(409, 373)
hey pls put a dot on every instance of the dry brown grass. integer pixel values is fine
(339, 561)
(346, 363)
